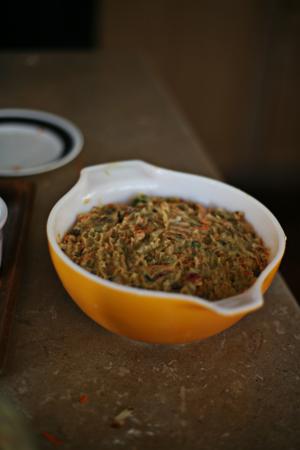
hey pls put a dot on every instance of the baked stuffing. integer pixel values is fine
(168, 244)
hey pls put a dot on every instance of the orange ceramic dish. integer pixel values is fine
(147, 315)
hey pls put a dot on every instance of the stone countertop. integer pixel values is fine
(69, 376)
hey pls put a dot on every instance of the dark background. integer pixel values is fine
(232, 66)
(46, 25)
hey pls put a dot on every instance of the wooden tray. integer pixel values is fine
(18, 196)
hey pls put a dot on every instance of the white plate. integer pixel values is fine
(33, 142)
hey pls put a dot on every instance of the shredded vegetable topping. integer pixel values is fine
(168, 244)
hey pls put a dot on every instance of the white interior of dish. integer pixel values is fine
(119, 182)
(3, 218)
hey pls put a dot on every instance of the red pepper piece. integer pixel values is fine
(52, 439)
(83, 399)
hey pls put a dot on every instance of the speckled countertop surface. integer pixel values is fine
(70, 377)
